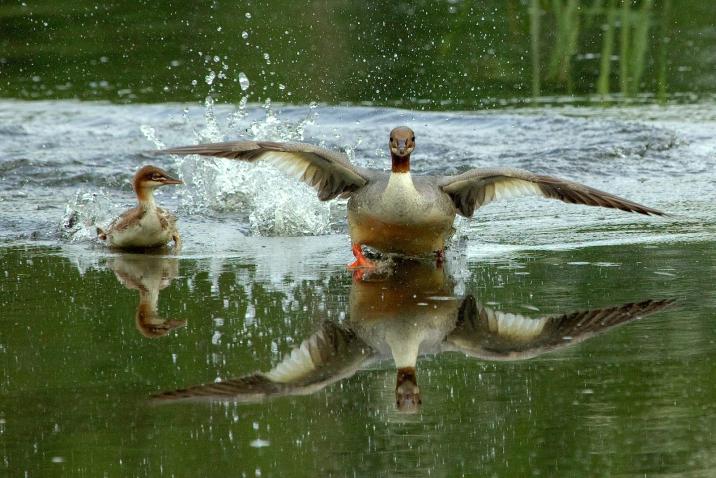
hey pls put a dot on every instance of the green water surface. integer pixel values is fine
(76, 375)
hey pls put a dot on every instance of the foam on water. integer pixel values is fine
(68, 168)
(273, 204)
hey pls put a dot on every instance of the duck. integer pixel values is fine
(147, 225)
(396, 211)
(148, 274)
(405, 313)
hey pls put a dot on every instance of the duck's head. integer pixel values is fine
(151, 177)
(402, 142)
(407, 392)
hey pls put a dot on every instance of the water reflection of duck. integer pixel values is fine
(396, 212)
(148, 274)
(409, 313)
(147, 225)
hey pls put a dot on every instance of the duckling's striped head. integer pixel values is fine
(150, 177)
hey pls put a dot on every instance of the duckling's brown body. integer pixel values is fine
(146, 225)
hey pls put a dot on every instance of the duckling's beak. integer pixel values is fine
(170, 180)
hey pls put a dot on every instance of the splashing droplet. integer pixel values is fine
(245, 35)
(244, 81)
(248, 15)
(210, 77)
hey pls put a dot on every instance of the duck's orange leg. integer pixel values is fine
(439, 257)
(361, 261)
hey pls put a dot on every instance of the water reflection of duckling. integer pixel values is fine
(409, 313)
(148, 274)
(146, 225)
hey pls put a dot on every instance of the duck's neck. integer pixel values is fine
(145, 197)
(401, 164)
(406, 374)
(405, 348)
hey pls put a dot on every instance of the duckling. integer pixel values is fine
(396, 212)
(147, 225)
(148, 274)
(410, 313)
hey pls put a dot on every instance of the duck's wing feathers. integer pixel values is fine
(485, 333)
(329, 172)
(477, 187)
(329, 355)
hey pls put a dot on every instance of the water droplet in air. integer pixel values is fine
(243, 81)
(281, 87)
(245, 35)
(248, 15)
(210, 77)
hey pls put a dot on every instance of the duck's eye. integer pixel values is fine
(156, 177)
(412, 139)
(391, 139)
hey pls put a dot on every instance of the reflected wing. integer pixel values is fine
(477, 187)
(329, 172)
(488, 334)
(329, 355)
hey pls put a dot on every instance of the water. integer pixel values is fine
(80, 365)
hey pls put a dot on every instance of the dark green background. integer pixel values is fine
(424, 54)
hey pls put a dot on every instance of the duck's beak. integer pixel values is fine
(407, 392)
(409, 402)
(402, 146)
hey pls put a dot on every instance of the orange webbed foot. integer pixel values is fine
(361, 261)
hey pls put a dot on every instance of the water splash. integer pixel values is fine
(84, 214)
(273, 204)
(244, 82)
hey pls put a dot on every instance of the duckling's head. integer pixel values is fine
(402, 141)
(150, 325)
(407, 392)
(150, 177)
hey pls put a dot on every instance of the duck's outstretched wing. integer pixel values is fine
(329, 172)
(489, 334)
(477, 187)
(329, 355)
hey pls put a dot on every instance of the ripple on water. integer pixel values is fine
(92, 147)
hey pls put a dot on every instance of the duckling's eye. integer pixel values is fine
(412, 139)
(391, 139)
(156, 177)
